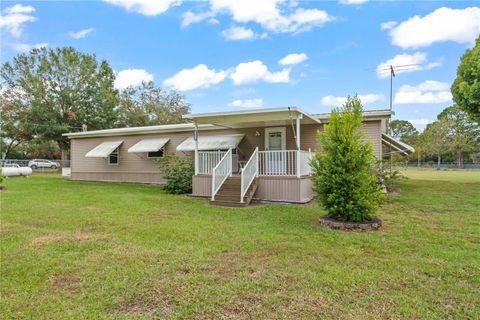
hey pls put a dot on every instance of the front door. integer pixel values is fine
(275, 141)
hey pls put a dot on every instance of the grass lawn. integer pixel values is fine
(85, 250)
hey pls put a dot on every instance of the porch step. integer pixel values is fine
(229, 193)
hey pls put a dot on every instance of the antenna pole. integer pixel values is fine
(392, 74)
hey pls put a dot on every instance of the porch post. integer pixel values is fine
(299, 116)
(195, 137)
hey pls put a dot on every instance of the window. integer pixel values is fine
(113, 157)
(155, 154)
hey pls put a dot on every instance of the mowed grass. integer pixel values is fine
(85, 250)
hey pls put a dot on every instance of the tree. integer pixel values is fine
(462, 133)
(148, 105)
(51, 92)
(404, 131)
(435, 138)
(466, 87)
(342, 169)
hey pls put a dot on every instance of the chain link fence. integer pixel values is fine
(434, 165)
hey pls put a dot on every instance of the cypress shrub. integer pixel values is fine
(343, 167)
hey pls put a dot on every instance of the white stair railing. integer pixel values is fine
(221, 172)
(248, 173)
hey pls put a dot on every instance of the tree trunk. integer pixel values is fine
(418, 160)
(64, 154)
(438, 162)
(458, 157)
(10, 147)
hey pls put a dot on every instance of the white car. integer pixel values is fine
(42, 163)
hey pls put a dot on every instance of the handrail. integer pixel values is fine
(248, 173)
(221, 172)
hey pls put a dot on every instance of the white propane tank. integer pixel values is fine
(16, 171)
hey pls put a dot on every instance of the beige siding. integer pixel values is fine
(135, 177)
(374, 135)
(137, 168)
(202, 185)
(284, 189)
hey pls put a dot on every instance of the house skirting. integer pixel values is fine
(135, 177)
(269, 188)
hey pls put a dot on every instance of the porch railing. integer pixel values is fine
(270, 163)
(207, 160)
(305, 158)
(248, 173)
(221, 172)
(284, 163)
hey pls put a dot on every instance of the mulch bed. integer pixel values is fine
(372, 225)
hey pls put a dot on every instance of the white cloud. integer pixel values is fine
(293, 58)
(427, 92)
(388, 25)
(199, 77)
(407, 63)
(13, 19)
(421, 122)
(368, 98)
(190, 17)
(80, 34)
(241, 33)
(146, 7)
(132, 77)
(353, 1)
(25, 47)
(247, 103)
(255, 71)
(18, 8)
(443, 24)
(273, 15)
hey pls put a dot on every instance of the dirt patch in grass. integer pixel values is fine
(89, 209)
(144, 306)
(66, 281)
(230, 264)
(61, 237)
(161, 216)
(6, 228)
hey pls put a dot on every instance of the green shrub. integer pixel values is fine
(343, 167)
(178, 172)
(389, 178)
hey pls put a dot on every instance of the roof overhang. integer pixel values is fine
(397, 145)
(368, 115)
(254, 118)
(183, 127)
(208, 143)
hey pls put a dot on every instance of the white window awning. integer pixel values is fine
(397, 145)
(148, 145)
(104, 149)
(205, 143)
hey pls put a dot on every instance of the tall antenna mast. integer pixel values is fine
(392, 74)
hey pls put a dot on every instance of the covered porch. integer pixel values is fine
(261, 148)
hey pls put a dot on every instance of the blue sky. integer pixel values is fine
(235, 55)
